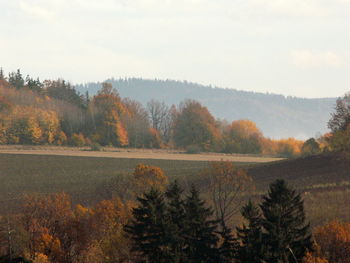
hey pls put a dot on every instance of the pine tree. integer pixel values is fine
(16, 79)
(201, 239)
(2, 77)
(176, 223)
(229, 247)
(148, 228)
(287, 235)
(251, 249)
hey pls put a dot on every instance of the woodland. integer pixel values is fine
(219, 217)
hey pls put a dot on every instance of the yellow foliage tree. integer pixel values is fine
(147, 176)
(333, 240)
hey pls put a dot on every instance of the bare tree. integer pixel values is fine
(228, 189)
(160, 117)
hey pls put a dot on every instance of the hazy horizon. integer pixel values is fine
(289, 47)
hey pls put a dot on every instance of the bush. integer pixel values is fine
(77, 140)
(193, 149)
(96, 147)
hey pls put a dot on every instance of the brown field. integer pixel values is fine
(153, 154)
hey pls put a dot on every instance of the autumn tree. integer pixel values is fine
(147, 176)
(242, 136)
(228, 189)
(195, 125)
(333, 240)
(310, 147)
(106, 111)
(136, 123)
(161, 118)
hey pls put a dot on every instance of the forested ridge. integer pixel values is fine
(276, 115)
(53, 112)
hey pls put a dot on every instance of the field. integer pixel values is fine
(324, 181)
(129, 153)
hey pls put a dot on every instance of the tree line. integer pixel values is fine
(52, 112)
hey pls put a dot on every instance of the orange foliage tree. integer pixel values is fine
(147, 176)
(333, 240)
(62, 234)
(106, 110)
(242, 136)
(195, 126)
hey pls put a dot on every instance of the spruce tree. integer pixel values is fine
(148, 228)
(2, 77)
(287, 235)
(176, 222)
(200, 231)
(229, 246)
(251, 249)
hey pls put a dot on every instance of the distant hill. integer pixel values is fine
(276, 115)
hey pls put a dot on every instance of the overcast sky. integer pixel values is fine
(290, 47)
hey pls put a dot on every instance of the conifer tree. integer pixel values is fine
(287, 235)
(251, 249)
(229, 247)
(2, 77)
(148, 228)
(201, 238)
(176, 223)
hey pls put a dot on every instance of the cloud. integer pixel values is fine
(41, 9)
(307, 59)
(288, 8)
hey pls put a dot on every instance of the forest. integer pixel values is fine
(52, 112)
(217, 216)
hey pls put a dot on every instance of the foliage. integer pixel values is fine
(242, 136)
(148, 176)
(194, 125)
(310, 147)
(252, 245)
(341, 118)
(333, 240)
(286, 234)
(106, 110)
(169, 229)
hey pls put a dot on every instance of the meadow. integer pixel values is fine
(324, 182)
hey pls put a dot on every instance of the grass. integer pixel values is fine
(323, 183)
(78, 176)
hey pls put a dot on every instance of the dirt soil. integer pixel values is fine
(134, 154)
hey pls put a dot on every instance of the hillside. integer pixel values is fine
(276, 115)
(312, 172)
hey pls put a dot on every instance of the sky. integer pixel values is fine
(290, 47)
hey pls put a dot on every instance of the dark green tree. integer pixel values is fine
(2, 77)
(34, 84)
(251, 248)
(147, 229)
(200, 231)
(286, 234)
(16, 79)
(175, 228)
(229, 246)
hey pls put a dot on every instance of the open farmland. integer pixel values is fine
(79, 176)
(149, 154)
(323, 180)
